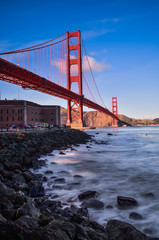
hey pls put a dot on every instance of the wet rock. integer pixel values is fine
(19, 199)
(88, 147)
(48, 172)
(60, 180)
(62, 153)
(109, 206)
(50, 154)
(109, 134)
(123, 231)
(93, 203)
(126, 202)
(77, 176)
(53, 163)
(37, 191)
(149, 195)
(87, 195)
(135, 216)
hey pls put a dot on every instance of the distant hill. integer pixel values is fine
(99, 119)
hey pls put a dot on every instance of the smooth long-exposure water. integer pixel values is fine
(128, 165)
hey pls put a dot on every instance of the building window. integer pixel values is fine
(18, 118)
(35, 119)
(21, 118)
(12, 110)
(32, 119)
(1, 111)
(52, 120)
(12, 118)
(21, 111)
(52, 113)
(7, 111)
(1, 118)
(7, 118)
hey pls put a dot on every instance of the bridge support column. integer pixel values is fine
(74, 107)
(114, 111)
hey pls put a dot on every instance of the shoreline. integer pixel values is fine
(26, 213)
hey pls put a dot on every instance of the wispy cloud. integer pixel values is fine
(95, 33)
(107, 20)
(94, 64)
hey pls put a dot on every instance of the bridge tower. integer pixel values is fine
(75, 107)
(114, 111)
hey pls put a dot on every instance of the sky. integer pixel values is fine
(121, 38)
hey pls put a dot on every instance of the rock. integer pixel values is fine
(109, 206)
(50, 154)
(149, 195)
(5, 191)
(28, 209)
(123, 231)
(60, 180)
(9, 214)
(28, 175)
(62, 153)
(109, 134)
(88, 147)
(2, 219)
(37, 191)
(93, 203)
(77, 176)
(53, 163)
(126, 202)
(135, 216)
(87, 195)
(27, 221)
(48, 172)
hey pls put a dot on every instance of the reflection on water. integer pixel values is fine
(128, 165)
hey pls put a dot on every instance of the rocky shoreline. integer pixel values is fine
(25, 210)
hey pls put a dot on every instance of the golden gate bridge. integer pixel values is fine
(59, 67)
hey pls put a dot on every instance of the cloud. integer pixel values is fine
(106, 20)
(95, 66)
(95, 33)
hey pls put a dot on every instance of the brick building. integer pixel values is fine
(25, 112)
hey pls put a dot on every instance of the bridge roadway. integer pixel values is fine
(12, 73)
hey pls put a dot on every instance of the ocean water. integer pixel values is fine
(128, 165)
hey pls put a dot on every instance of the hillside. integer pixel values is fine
(99, 119)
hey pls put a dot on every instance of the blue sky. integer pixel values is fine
(122, 38)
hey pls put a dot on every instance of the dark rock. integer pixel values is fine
(77, 176)
(27, 221)
(149, 195)
(60, 180)
(53, 163)
(28, 175)
(118, 230)
(109, 206)
(37, 191)
(126, 202)
(135, 216)
(9, 214)
(50, 154)
(93, 203)
(29, 209)
(88, 147)
(48, 172)
(87, 195)
(2, 219)
(62, 153)
(110, 134)
(5, 191)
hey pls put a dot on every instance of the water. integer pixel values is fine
(128, 165)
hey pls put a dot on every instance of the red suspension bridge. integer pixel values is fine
(59, 67)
